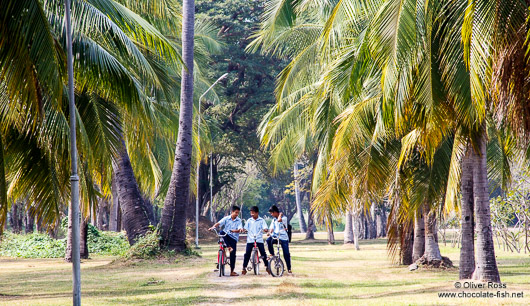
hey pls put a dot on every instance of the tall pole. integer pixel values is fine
(199, 161)
(74, 178)
(198, 178)
(211, 185)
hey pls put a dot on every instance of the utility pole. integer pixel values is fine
(74, 178)
(199, 161)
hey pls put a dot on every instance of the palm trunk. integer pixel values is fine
(348, 230)
(115, 211)
(355, 226)
(101, 215)
(303, 226)
(83, 243)
(432, 250)
(467, 251)
(30, 221)
(3, 190)
(372, 227)
(486, 265)
(150, 211)
(40, 229)
(362, 225)
(329, 226)
(419, 236)
(173, 227)
(381, 221)
(16, 218)
(310, 234)
(135, 214)
(406, 241)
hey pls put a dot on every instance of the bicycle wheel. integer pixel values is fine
(276, 266)
(255, 262)
(221, 262)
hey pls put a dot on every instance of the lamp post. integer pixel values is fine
(211, 185)
(74, 178)
(199, 161)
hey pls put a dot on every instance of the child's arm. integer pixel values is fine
(216, 224)
(245, 228)
(264, 226)
(239, 228)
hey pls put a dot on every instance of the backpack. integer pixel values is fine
(289, 231)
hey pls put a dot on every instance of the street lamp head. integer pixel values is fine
(211, 86)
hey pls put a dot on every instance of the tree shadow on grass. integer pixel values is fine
(307, 259)
(367, 284)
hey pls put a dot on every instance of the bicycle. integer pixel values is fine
(222, 259)
(275, 262)
(255, 258)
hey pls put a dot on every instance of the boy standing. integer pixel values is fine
(278, 228)
(232, 226)
(254, 226)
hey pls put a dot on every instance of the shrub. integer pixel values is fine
(106, 243)
(146, 247)
(39, 245)
(34, 245)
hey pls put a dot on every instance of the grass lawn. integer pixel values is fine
(323, 275)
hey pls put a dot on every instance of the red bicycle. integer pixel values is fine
(222, 259)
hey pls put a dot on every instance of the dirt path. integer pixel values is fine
(242, 288)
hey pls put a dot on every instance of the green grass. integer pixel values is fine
(323, 275)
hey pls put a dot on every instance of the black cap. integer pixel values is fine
(274, 208)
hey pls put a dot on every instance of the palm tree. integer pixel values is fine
(103, 47)
(467, 250)
(299, 212)
(421, 94)
(419, 235)
(135, 214)
(117, 80)
(173, 227)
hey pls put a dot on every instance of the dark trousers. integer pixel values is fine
(248, 252)
(285, 248)
(231, 242)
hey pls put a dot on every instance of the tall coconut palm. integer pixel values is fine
(486, 29)
(173, 222)
(299, 212)
(107, 55)
(419, 235)
(116, 79)
(467, 250)
(424, 96)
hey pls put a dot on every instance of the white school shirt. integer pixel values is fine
(228, 224)
(279, 229)
(255, 227)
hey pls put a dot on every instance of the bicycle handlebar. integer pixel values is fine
(255, 236)
(217, 233)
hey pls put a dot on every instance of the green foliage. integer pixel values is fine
(146, 247)
(248, 93)
(106, 243)
(190, 252)
(37, 245)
